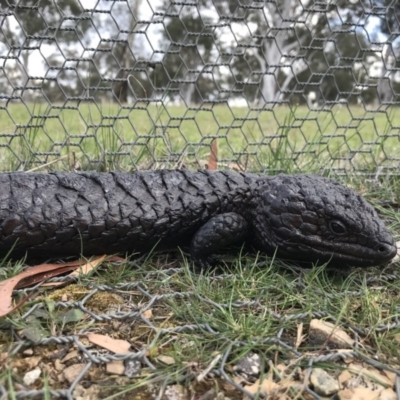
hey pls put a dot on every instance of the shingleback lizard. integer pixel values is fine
(303, 218)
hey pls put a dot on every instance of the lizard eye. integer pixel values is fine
(337, 228)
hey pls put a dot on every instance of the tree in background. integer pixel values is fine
(263, 52)
(388, 85)
(125, 16)
(276, 43)
(188, 45)
(268, 49)
(34, 24)
(288, 47)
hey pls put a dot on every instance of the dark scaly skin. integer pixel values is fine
(303, 218)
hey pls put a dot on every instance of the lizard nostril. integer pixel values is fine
(385, 249)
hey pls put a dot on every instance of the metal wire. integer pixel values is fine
(280, 85)
(138, 84)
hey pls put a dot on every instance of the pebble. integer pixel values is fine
(72, 372)
(28, 352)
(132, 367)
(323, 383)
(167, 360)
(31, 376)
(249, 365)
(115, 367)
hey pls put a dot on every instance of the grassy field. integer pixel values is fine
(189, 333)
(108, 137)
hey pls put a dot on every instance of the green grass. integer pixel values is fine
(107, 137)
(257, 304)
(196, 318)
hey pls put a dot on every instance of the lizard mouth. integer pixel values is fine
(346, 254)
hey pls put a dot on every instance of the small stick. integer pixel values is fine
(47, 164)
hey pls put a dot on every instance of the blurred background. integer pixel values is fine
(144, 84)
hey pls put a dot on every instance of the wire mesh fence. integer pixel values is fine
(138, 84)
(75, 367)
(278, 85)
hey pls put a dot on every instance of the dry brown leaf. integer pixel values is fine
(89, 266)
(323, 332)
(40, 273)
(374, 376)
(391, 376)
(345, 377)
(359, 393)
(388, 394)
(84, 269)
(33, 275)
(263, 388)
(114, 345)
(213, 160)
(236, 167)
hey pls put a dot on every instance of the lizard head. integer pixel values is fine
(311, 218)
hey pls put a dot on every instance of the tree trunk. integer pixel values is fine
(120, 88)
(273, 50)
(385, 92)
(187, 90)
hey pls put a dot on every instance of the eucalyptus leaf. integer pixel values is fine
(34, 332)
(73, 315)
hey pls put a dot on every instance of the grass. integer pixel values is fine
(209, 320)
(279, 138)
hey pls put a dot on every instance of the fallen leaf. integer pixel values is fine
(345, 377)
(42, 272)
(84, 269)
(388, 394)
(358, 393)
(264, 387)
(391, 376)
(114, 345)
(374, 377)
(236, 167)
(34, 331)
(213, 160)
(73, 315)
(7, 286)
(38, 274)
(323, 332)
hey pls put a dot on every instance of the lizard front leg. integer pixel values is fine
(220, 231)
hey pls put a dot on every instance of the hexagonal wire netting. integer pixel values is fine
(138, 84)
(278, 85)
